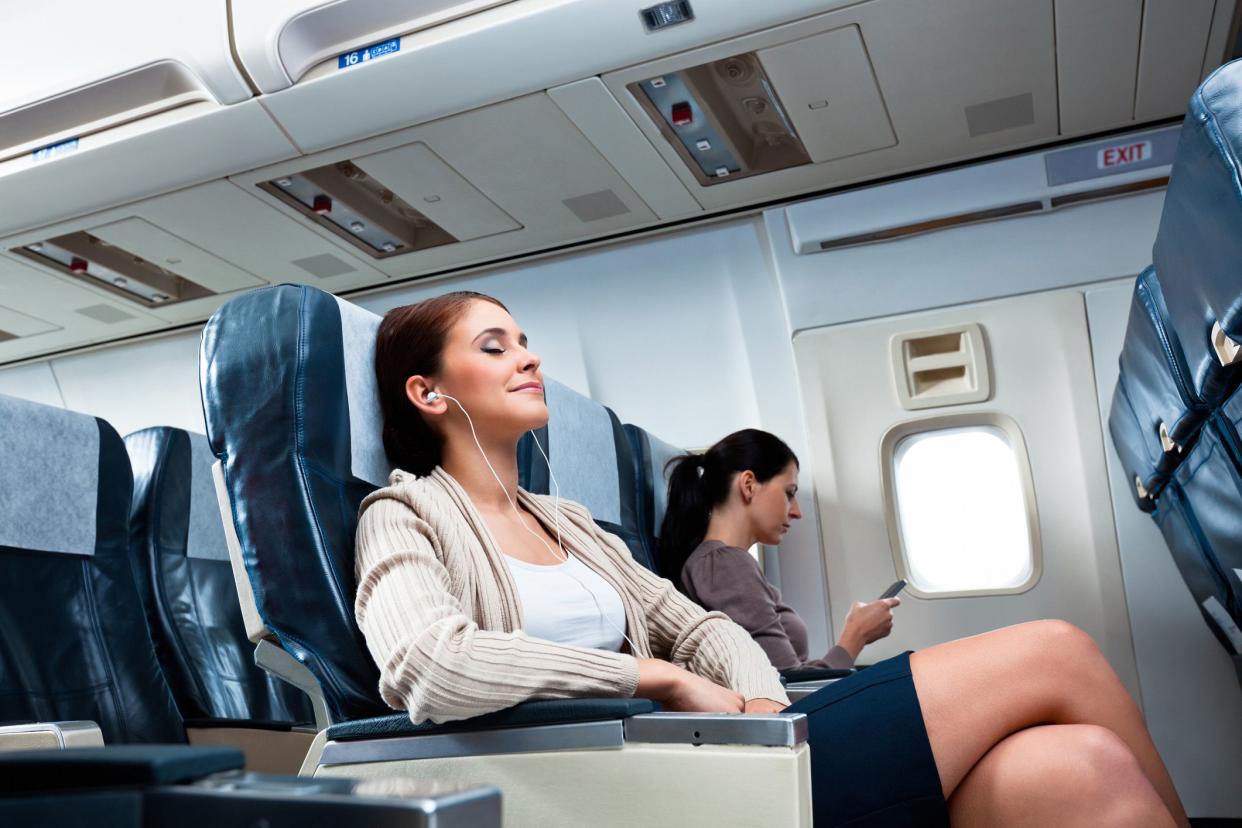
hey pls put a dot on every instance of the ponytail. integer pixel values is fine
(698, 483)
(692, 492)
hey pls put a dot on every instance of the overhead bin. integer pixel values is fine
(175, 258)
(279, 41)
(338, 72)
(499, 181)
(116, 101)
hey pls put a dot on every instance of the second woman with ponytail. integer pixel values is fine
(743, 491)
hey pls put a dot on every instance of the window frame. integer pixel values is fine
(892, 515)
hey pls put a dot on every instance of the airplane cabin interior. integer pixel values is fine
(976, 263)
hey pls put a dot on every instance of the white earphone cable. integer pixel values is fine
(564, 556)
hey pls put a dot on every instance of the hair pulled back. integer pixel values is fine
(411, 341)
(700, 482)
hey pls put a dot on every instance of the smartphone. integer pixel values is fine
(892, 591)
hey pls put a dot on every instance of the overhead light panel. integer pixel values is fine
(723, 118)
(92, 260)
(344, 199)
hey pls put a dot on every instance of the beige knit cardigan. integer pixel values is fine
(442, 618)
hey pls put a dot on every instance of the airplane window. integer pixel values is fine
(961, 510)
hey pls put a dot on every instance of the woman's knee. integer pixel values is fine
(1105, 776)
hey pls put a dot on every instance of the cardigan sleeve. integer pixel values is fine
(434, 660)
(707, 644)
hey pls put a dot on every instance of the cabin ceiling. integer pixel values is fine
(142, 189)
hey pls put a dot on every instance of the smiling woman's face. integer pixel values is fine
(487, 366)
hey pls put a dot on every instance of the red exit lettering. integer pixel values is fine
(1110, 157)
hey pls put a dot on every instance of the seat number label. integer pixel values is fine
(368, 54)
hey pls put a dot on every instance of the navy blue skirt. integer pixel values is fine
(871, 761)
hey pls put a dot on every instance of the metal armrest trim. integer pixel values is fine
(271, 658)
(763, 730)
(68, 734)
(605, 735)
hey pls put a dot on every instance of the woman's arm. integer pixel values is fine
(707, 644)
(434, 660)
(724, 581)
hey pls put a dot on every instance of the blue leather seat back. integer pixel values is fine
(74, 642)
(288, 382)
(651, 456)
(186, 581)
(1199, 245)
(593, 463)
(1199, 514)
(1154, 392)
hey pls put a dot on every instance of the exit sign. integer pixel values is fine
(1123, 155)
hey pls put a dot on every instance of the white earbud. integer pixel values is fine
(432, 396)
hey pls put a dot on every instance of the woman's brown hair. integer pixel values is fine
(411, 341)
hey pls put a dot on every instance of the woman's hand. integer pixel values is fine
(867, 623)
(763, 706)
(681, 691)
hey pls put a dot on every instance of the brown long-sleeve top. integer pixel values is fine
(727, 579)
(442, 618)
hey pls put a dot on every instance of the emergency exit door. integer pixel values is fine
(961, 449)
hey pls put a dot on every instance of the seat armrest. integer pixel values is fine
(814, 674)
(55, 735)
(757, 729)
(527, 714)
(119, 766)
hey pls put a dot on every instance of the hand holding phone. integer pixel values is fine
(891, 592)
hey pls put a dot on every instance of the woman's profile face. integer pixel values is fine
(487, 366)
(775, 506)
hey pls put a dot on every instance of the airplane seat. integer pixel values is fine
(1155, 413)
(293, 417)
(1180, 356)
(651, 456)
(593, 462)
(1198, 246)
(74, 641)
(182, 566)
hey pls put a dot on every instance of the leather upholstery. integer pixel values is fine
(1170, 372)
(651, 456)
(188, 590)
(529, 714)
(1199, 244)
(273, 380)
(74, 642)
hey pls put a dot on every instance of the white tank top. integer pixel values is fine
(568, 603)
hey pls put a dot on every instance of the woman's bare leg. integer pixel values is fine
(1063, 775)
(977, 691)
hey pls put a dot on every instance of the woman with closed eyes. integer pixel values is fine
(475, 595)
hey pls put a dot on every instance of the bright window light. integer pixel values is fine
(962, 510)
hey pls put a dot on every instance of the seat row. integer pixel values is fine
(1176, 416)
(117, 592)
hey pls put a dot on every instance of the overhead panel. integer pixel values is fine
(1097, 51)
(871, 89)
(1175, 35)
(41, 313)
(177, 257)
(494, 182)
(830, 93)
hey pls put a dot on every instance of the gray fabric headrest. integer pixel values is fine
(369, 461)
(49, 478)
(583, 450)
(205, 538)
